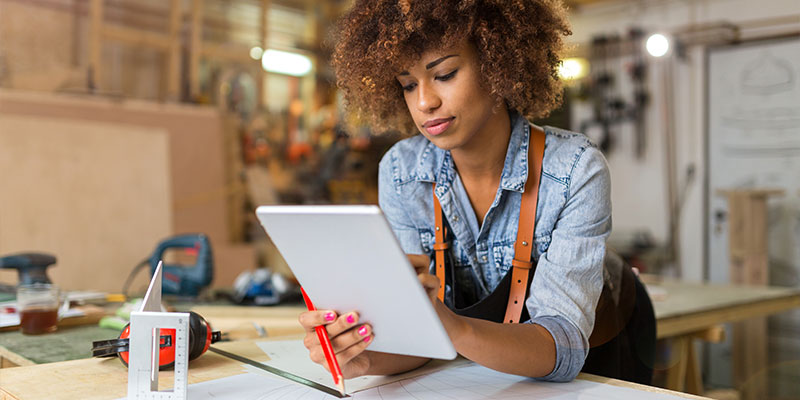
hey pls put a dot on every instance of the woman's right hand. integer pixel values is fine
(348, 338)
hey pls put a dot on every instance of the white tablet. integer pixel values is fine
(347, 258)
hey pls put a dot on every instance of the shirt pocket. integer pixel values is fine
(504, 254)
(427, 239)
(542, 243)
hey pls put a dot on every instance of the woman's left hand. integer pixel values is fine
(429, 282)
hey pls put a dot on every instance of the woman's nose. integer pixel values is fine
(427, 98)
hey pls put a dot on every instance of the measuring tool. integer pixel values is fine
(145, 345)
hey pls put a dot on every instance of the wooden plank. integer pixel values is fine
(9, 359)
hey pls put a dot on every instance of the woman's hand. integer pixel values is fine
(429, 282)
(348, 338)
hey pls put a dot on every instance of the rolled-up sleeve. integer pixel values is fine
(569, 275)
(391, 203)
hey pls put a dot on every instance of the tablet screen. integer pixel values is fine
(347, 258)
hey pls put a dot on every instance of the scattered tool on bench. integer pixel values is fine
(32, 268)
(146, 345)
(181, 279)
(200, 337)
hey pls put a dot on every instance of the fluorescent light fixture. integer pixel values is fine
(256, 53)
(283, 62)
(657, 45)
(573, 68)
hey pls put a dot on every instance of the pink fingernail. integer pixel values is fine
(367, 339)
(351, 319)
(330, 316)
(362, 331)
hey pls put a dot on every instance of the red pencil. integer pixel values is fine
(327, 348)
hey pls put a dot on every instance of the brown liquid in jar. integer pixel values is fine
(34, 321)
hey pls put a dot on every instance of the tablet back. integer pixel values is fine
(347, 258)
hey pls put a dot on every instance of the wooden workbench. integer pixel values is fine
(686, 312)
(92, 379)
(690, 311)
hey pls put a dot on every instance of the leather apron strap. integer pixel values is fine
(440, 245)
(522, 248)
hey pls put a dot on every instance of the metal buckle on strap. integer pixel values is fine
(521, 264)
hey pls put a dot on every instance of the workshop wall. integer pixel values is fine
(639, 190)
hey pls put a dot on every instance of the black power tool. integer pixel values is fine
(32, 268)
(200, 337)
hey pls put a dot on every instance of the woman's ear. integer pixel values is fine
(499, 104)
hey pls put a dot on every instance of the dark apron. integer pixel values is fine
(622, 344)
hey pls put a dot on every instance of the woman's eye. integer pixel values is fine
(447, 76)
(409, 87)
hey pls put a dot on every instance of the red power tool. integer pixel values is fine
(200, 337)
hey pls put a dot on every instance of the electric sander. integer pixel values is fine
(32, 268)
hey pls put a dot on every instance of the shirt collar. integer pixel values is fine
(436, 165)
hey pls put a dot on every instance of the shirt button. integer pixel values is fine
(455, 218)
(484, 259)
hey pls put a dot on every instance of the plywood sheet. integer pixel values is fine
(97, 195)
(196, 164)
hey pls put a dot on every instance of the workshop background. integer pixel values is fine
(125, 122)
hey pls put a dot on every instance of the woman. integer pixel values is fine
(466, 75)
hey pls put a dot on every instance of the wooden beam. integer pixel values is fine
(95, 43)
(227, 52)
(262, 75)
(137, 37)
(174, 51)
(195, 48)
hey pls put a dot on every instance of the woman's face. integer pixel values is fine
(444, 96)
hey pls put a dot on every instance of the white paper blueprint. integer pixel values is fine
(471, 382)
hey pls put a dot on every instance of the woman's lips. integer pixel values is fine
(437, 126)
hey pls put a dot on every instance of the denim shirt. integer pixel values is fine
(573, 220)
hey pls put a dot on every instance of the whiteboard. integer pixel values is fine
(754, 142)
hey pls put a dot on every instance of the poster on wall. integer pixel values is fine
(754, 143)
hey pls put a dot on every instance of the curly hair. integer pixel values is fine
(518, 44)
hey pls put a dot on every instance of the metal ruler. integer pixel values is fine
(281, 373)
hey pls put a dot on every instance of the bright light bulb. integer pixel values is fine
(657, 45)
(573, 68)
(256, 53)
(286, 63)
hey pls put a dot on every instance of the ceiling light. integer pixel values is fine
(256, 53)
(573, 68)
(657, 45)
(283, 62)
